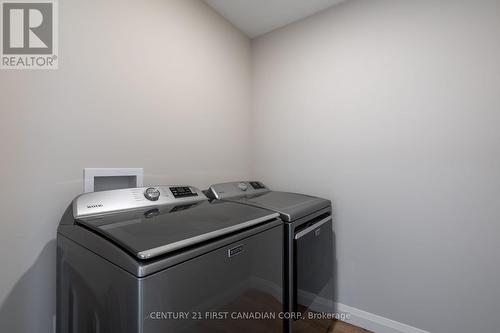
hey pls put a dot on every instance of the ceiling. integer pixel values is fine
(257, 17)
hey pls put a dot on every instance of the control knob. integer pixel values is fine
(152, 193)
(243, 186)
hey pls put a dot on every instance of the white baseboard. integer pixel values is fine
(356, 317)
(373, 322)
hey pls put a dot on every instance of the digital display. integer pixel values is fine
(257, 185)
(182, 192)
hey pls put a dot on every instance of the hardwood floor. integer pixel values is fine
(342, 327)
(255, 301)
(325, 325)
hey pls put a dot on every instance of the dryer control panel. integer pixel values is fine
(105, 202)
(236, 189)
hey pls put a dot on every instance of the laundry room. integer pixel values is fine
(312, 166)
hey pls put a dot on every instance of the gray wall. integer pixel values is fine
(140, 84)
(392, 110)
(389, 108)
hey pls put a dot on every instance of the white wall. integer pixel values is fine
(140, 84)
(392, 110)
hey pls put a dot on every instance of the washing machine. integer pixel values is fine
(165, 259)
(308, 246)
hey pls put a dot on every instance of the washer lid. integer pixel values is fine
(291, 206)
(147, 233)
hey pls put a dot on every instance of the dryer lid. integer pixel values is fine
(291, 206)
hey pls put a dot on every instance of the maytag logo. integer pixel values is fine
(235, 251)
(95, 206)
(29, 34)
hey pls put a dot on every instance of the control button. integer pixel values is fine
(152, 193)
(243, 186)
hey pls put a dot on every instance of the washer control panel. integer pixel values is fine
(106, 202)
(236, 189)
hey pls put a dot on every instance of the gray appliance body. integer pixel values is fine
(117, 273)
(308, 249)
